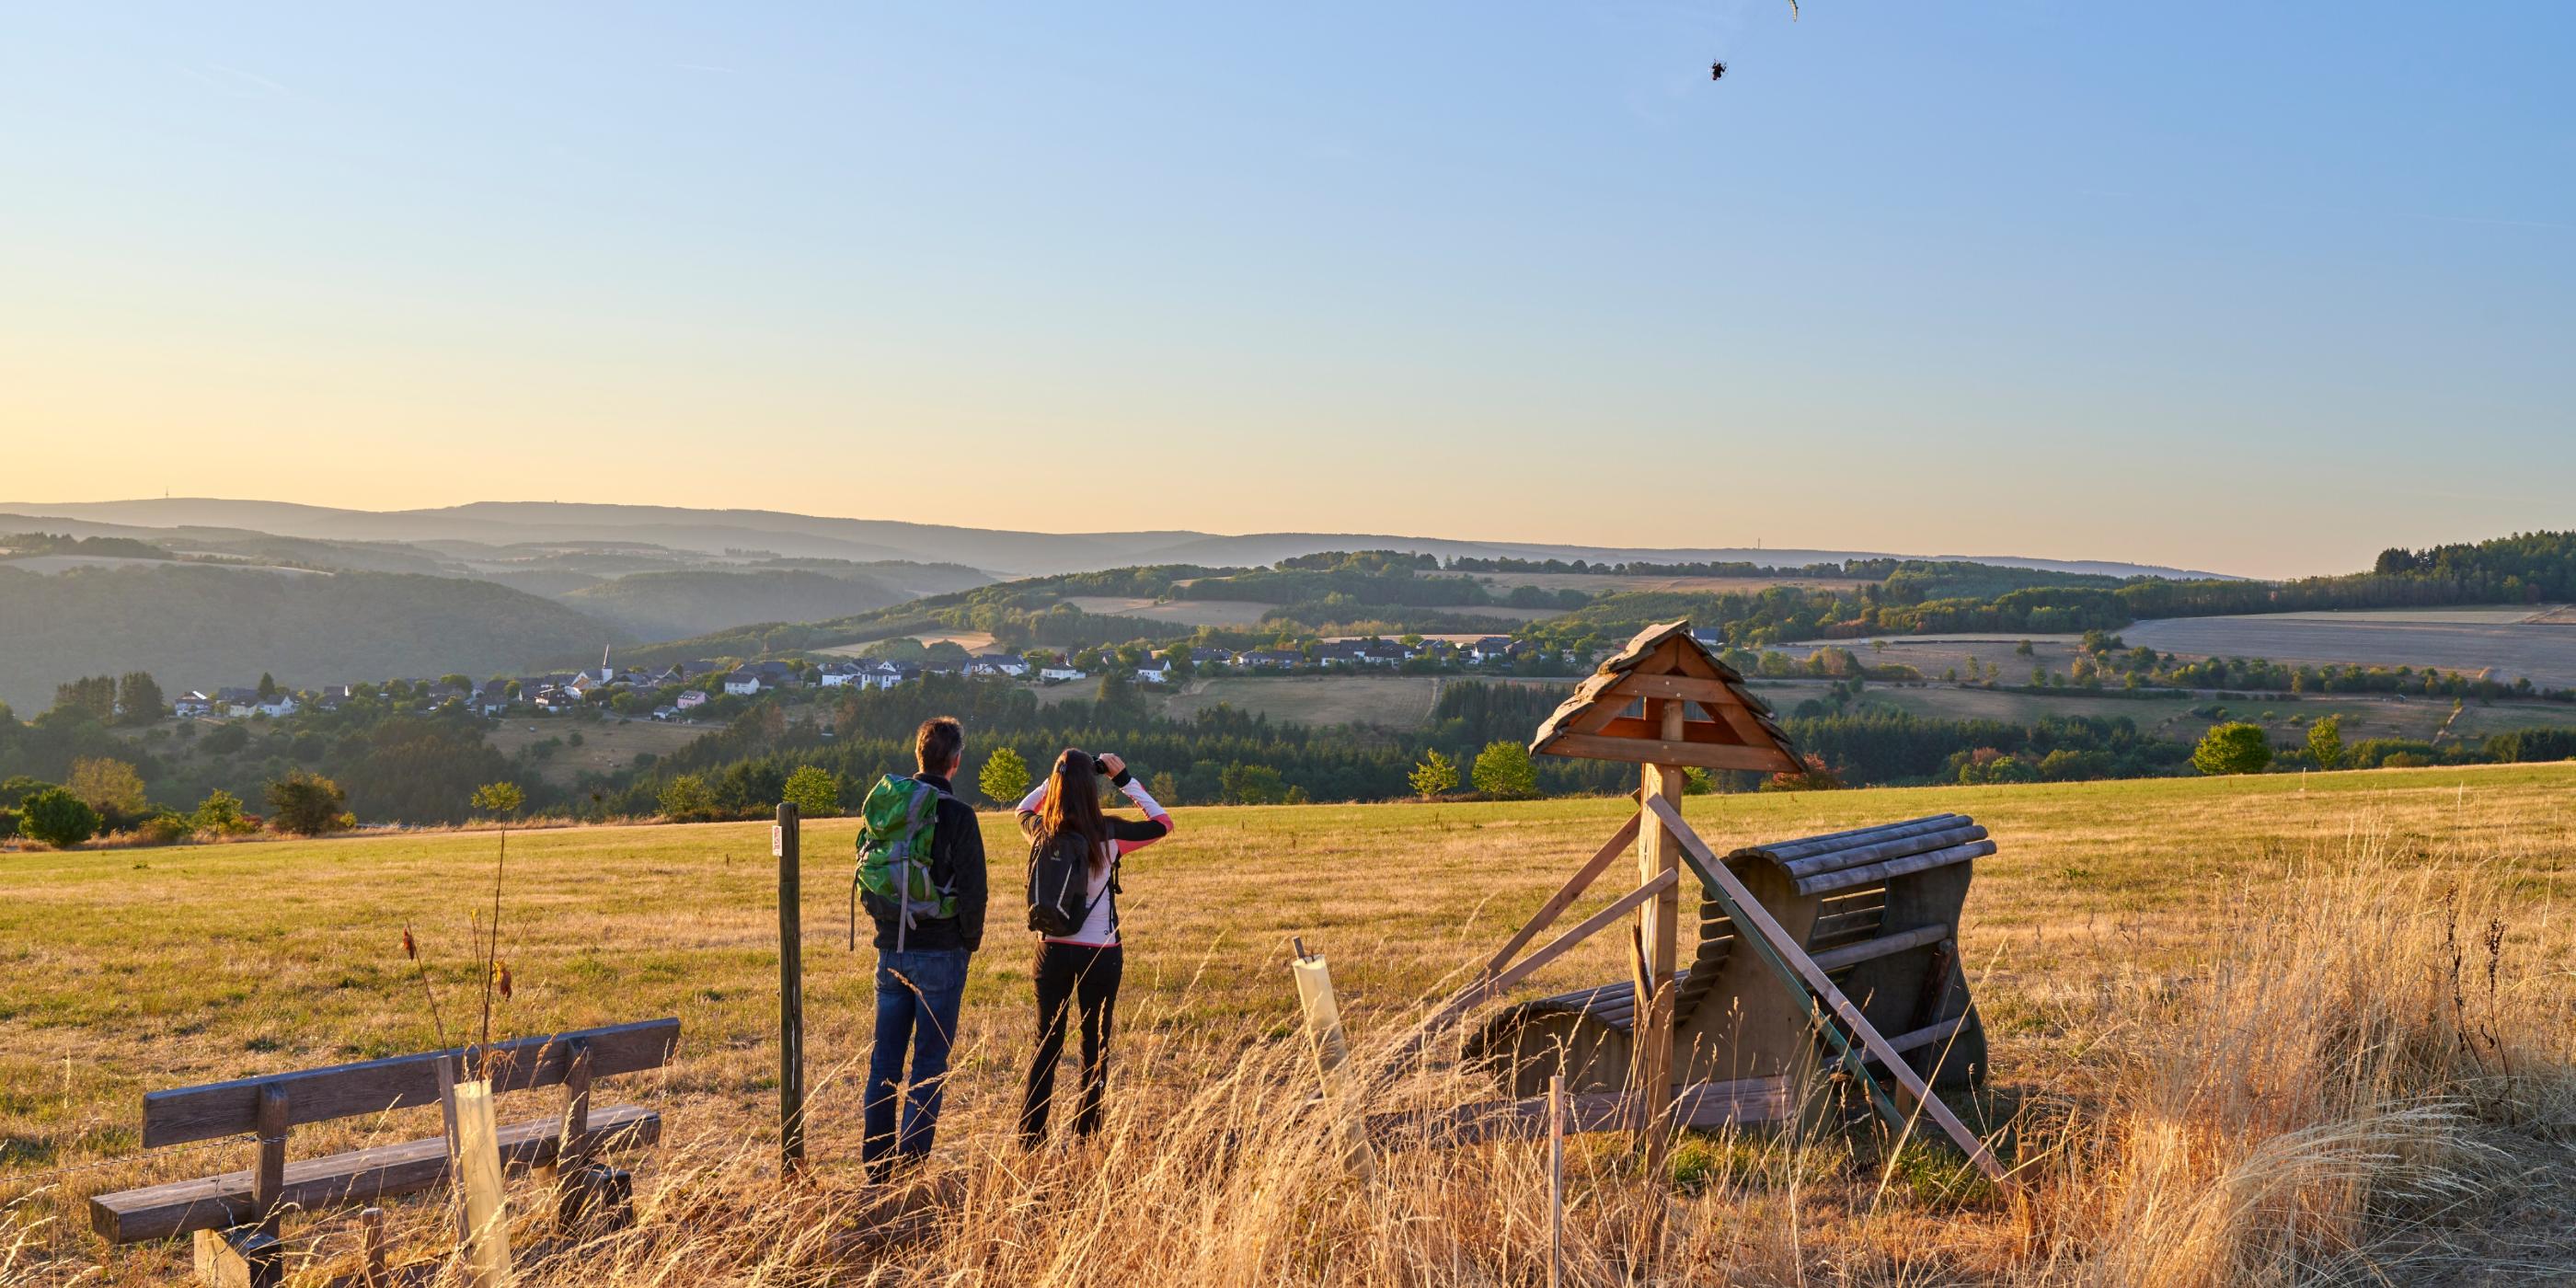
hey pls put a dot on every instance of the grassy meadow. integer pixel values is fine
(2261, 1030)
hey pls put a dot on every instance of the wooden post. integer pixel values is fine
(1556, 1180)
(1332, 1052)
(371, 1249)
(1658, 924)
(446, 1068)
(784, 841)
(268, 1183)
(478, 1169)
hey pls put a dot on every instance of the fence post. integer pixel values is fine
(1332, 1052)
(784, 842)
(1555, 1180)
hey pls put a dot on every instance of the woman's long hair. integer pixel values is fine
(1072, 803)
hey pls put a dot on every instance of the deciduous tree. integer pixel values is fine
(1436, 775)
(308, 804)
(2325, 741)
(814, 791)
(1005, 777)
(58, 818)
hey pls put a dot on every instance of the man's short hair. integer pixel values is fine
(937, 744)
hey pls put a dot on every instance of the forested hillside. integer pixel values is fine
(194, 625)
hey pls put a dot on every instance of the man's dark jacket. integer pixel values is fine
(956, 846)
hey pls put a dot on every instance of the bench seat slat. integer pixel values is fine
(187, 1114)
(345, 1180)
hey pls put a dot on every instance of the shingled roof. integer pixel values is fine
(1735, 731)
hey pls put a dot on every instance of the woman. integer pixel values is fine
(1083, 965)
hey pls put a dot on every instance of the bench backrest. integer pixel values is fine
(399, 1082)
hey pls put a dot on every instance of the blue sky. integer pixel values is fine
(2261, 289)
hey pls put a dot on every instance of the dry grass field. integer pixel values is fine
(1179, 612)
(2451, 639)
(2247, 1031)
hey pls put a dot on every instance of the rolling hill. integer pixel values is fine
(194, 625)
(1004, 553)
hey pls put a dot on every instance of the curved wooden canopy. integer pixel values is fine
(1729, 729)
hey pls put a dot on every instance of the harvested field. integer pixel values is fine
(2187, 718)
(2512, 650)
(1387, 701)
(1605, 584)
(2244, 1022)
(606, 745)
(1934, 655)
(1178, 612)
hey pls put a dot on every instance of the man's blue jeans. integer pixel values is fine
(918, 993)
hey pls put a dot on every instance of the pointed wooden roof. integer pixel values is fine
(1724, 727)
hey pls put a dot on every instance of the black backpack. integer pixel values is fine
(1060, 885)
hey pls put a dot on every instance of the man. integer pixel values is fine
(921, 966)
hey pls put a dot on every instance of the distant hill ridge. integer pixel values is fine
(1002, 553)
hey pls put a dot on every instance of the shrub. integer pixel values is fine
(167, 828)
(308, 804)
(814, 791)
(1503, 772)
(57, 818)
(226, 739)
(1436, 775)
(1005, 777)
(685, 799)
(2233, 748)
(2325, 741)
(221, 814)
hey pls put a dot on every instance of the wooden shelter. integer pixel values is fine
(1776, 925)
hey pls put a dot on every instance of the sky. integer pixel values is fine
(2260, 289)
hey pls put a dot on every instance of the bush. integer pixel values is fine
(1503, 772)
(167, 828)
(221, 814)
(1005, 776)
(815, 792)
(2234, 748)
(226, 739)
(57, 818)
(307, 804)
(1435, 776)
(685, 799)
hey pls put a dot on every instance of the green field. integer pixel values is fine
(135, 969)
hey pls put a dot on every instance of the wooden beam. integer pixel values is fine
(353, 1179)
(1749, 913)
(268, 1180)
(1564, 898)
(1466, 998)
(186, 1114)
(1691, 687)
(1883, 946)
(1702, 731)
(1657, 948)
(1645, 751)
(1704, 1105)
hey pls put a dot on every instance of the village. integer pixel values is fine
(678, 691)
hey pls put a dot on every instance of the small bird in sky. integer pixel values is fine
(1717, 71)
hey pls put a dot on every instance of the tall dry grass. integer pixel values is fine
(2346, 1088)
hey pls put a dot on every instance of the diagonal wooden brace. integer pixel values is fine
(1855, 1040)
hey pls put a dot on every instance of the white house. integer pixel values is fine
(193, 703)
(1003, 664)
(242, 703)
(1056, 672)
(1156, 671)
(840, 675)
(745, 682)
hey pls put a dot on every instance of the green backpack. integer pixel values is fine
(894, 857)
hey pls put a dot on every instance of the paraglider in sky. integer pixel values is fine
(1717, 71)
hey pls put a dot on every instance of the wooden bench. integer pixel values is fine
(1876, 908)
(236, 1215)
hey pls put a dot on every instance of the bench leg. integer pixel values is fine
(594, 1197)
(242, 1257)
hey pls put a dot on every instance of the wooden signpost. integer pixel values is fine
(1878, 905)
